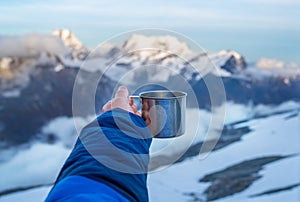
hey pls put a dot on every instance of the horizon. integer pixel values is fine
(255, 29)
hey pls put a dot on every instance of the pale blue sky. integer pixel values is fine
(256, 28)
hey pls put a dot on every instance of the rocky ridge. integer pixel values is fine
(31, 81)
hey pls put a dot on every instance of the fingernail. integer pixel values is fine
(122, 88)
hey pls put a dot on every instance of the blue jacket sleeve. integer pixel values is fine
(112, 150)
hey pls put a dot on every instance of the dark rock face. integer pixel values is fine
(47, 95)
(270, 90)
(235, 178)
(229, 135)
(232, 63)
(280, 189)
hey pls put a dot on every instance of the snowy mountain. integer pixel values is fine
(70, 41)
(165, 43)
(40, 86)
(229, 60)
(31, 78)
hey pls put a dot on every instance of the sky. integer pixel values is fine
(254, 28)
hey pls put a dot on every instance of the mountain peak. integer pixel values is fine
(161, 43)
(68, 38)
(229, 60)
(72, 43)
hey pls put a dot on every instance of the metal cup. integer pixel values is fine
(164, 112)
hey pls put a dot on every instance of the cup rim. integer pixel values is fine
(177, 94)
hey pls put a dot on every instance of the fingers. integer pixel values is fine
(107, 106)
(131, 102)
(146, 114)
(134, 108)
(122, 92)
(121, 100)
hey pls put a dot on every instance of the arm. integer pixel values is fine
(112, 150)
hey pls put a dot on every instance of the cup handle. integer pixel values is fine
(134, 96)
(138, 104)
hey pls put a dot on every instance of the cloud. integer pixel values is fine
(31, 45)
(39, 164)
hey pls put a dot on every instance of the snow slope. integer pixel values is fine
(34, 195)
(269, 137)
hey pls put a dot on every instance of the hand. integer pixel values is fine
(121, 100)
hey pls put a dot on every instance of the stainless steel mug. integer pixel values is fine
(164, 112)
